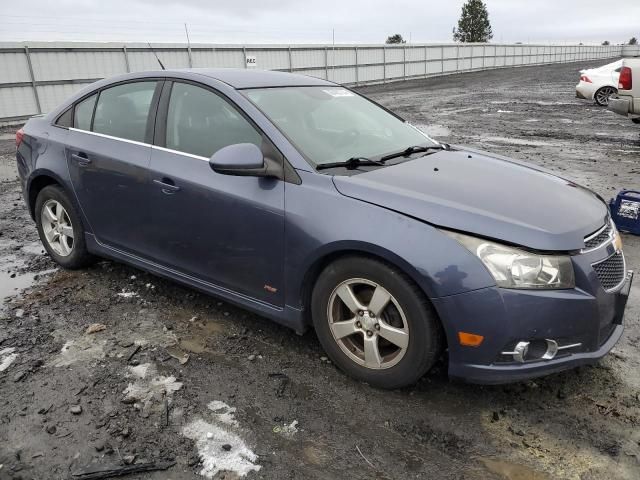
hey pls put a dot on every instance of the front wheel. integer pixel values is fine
(603, 94)
(374, 322)
(60, 228)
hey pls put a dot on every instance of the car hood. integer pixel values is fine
(486, 195)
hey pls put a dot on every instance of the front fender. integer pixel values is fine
(438, 264)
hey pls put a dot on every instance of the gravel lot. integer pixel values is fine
(173, 365)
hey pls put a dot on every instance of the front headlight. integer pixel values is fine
(515, 268)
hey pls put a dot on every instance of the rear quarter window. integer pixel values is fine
(84, 112)
(64, 120)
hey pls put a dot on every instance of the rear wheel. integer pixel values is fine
(374, 322)
(602, 95)
(60, 228)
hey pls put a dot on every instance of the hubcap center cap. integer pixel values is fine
(368, 322)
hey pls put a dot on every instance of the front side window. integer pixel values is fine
(84, 112)
(200, 122)
(332, 124)
(123, 111)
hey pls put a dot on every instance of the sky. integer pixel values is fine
(311, 21)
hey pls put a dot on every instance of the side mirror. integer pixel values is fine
(243, 159)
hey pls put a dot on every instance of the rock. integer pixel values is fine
(226, 447)
(251, 357)
(129, 459)
(19, 313)
(495, 416)
(19, 376)
(95, 328)
(209, 435)
(76, 409)
(99, 447)
(324, 359)
(561, 394)
(51, 429)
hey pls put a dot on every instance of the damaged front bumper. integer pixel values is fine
(587, 325)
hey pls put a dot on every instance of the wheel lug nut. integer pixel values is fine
(369, 333)
(358, 324)
(377, 326)
(360, 312)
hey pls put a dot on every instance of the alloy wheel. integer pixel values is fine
(368, 323)
(57, 227)
(602, 95)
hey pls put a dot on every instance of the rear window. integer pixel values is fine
(123, 110)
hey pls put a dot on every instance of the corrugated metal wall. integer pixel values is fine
(36, 77)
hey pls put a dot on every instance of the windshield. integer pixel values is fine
(332, 124)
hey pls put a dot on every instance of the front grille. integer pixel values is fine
(610, 271)
(598, 238)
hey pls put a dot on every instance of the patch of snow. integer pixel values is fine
(83, 349)
(7, 357)
(125, 294)
(210, 438)
(149, 386)
(223, 413)
(505, 111)
(140, 371)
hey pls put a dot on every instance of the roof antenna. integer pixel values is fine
(154, 53)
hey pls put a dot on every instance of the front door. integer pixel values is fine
(225, 230)
(108, 154)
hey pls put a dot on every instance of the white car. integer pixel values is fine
(600, 83)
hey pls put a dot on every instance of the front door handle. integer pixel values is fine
(82, 158)
(168, 186)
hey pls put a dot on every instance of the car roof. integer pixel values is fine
(240, 78)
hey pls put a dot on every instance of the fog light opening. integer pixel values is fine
(538, 350)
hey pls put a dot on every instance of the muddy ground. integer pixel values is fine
(179, 378)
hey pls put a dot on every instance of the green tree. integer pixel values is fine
(474, 25)
(606, 42)
(633, 41)
(397, 38)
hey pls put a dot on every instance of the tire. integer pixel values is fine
(602, 95)
(67, 245)
(407, 318)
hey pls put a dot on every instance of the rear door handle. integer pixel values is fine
(82, 158)
(168, 186)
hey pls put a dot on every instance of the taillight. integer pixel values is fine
(19, 137)
(586, 79)
(626, 80)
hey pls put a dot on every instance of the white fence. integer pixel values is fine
(36, 77)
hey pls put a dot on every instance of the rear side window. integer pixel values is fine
(123, 111)
(201, 123)
(84, 112)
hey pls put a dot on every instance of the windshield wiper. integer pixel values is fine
(351, 164)
(414, 149)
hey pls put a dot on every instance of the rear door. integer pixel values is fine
(225, 230)
(108, 154)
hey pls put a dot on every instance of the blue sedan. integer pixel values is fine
(309, 204)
